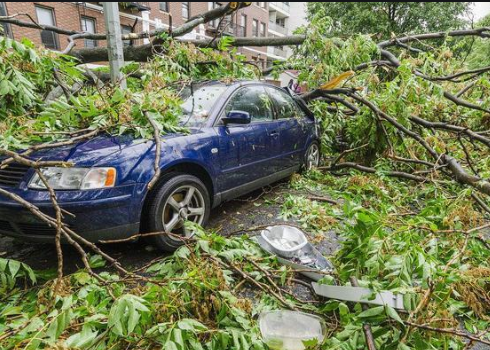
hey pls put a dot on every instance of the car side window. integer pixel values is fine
(254, 100)
(285, 105)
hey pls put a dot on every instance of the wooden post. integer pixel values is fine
(114, 43)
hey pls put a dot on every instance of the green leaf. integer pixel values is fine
(14, 267)
(189, 324)
(96, 261)
(183, 252)
(170, 345)
(393, 314)
(84, 339)
(375, 311)
(4, 87)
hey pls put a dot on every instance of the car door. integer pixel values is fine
(292, 125)
(245, 149)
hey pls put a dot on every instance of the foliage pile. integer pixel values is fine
(28, 76)
(393, 237)
(187, 304)
(407, 114)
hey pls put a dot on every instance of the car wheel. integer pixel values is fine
(179, 198)
(312, 156)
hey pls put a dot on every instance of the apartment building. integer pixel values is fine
(260, 19)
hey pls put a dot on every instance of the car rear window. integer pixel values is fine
(198, 102)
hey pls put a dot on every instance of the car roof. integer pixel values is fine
(239, 82)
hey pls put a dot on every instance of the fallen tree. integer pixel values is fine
(395, 103)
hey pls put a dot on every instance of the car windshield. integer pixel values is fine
(198, 102)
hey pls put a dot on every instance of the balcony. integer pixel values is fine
(227, 28)
(280, 6)
(278, 28)
(277, 51)
(280, 52)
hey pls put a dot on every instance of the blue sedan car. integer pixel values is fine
(243, 136)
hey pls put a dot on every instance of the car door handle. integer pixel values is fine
(273, 134)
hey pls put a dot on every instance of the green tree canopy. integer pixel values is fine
(480, 49)
(384, 18)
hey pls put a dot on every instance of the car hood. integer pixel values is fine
(93, 151)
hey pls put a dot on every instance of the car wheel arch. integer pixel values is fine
(184, 167)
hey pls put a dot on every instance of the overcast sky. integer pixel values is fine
(481, 9)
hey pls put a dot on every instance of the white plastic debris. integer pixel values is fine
(284, 240)
(288, 330)
(308, 260)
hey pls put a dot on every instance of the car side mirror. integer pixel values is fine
(237, 117)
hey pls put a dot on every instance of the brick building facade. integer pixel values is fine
(136, 17)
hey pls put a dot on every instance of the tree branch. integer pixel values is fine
(483, 32)
(463, 177)
(366, 169)
(452, 128)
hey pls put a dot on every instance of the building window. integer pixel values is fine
(5, 30)
(164, 6)
(214, 22)
(243, 25)
(262, 29)
(185, 10)
(255, 28)
(88, 25)
(127, 30)
(45, 16)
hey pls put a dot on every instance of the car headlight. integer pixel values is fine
(74, 178)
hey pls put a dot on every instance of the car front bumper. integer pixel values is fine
(96, 215)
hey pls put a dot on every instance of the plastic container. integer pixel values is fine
(284, 240)
(287, 330)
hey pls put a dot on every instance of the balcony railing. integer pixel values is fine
(228, 28)
(280, 52)
(277, 51)
(281, 5)
(278, 28)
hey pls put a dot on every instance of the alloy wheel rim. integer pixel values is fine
(313, 157)
(186, 203)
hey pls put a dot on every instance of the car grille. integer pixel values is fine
(39, 229)
(13, 174)
(6, 226)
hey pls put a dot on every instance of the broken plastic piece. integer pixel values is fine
(307, 260)
(359, 295)
(288, 330)
(285, 240)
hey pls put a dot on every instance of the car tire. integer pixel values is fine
(179, 196)
(312, 157)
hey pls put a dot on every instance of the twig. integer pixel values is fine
(59, 251)
(158, 150)
(323, 199)
(143, 235)
(366, 327)
(448, 331)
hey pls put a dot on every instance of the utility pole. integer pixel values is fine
(114, 42)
